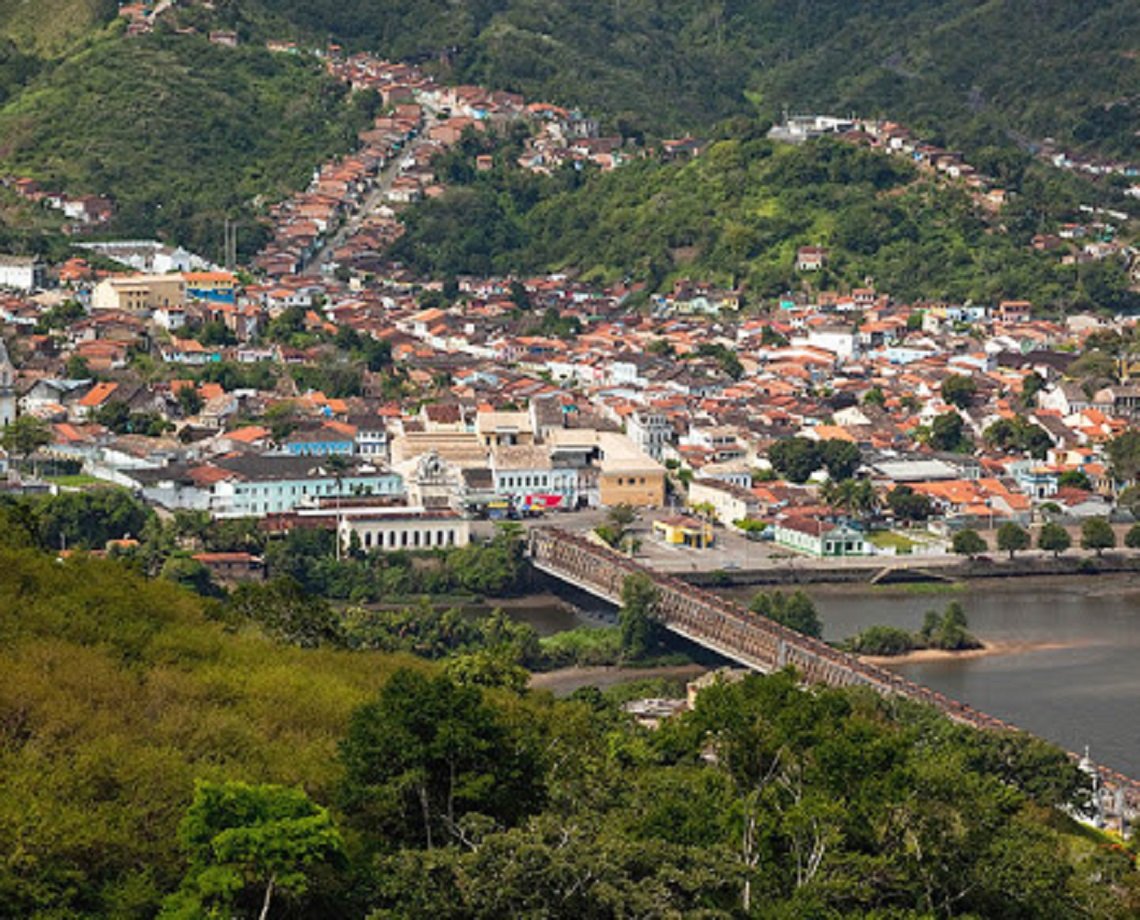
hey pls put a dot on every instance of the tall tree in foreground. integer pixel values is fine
(248, 844)
(428, 752)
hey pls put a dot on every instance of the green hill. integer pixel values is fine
(967, 68)
(48, 27)
(738, 213)
(179, 132)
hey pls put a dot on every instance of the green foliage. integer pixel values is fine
(119, 693)
(640, 631)
(947, 432)
(908, 505)
(946, 631)
(795, 611)
(1097, 534)
(248, 844)
(670, 66)
(178, 132)
(26, 435)
(1053, 538)
(77, 520)
(120, 699)
(1018, 433)
(840, 458)
(959, 390)
(1012, 538)
(1076, 479)
(431, 632)
(736, 215)
(426, 753)
(1124, 455)
(795, 458)
(881, 640)
(968, 542)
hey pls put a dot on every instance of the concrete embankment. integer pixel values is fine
(806, 572)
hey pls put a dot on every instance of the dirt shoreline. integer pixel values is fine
(988, 650)
(567, 680)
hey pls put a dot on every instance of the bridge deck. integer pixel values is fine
(754, 641)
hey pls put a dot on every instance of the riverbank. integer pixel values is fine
(899, 570)
(565, 681)
(989, 649)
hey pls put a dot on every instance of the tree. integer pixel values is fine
(428, 751)
(968, 543)
(1012, 537)
(246, 845)
(946, 433)
(795, 458)
(285, 611)
(1132, 538)
(189, 400)
(959, 390)
(1124, 456)
(795, 611)
(1075, 479)
(1033, 384)
(25, 436)
(841, 458)
(640, 631)
(908, 505)
(190, 573)
(1054, 539)
(77, 368)
(1097, 534)
(874, 397)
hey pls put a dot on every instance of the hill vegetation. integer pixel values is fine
(974, 72)
(163, 756)
(181, 134)
(737, 215)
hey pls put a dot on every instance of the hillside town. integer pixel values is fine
(400, 416)
(330, 388)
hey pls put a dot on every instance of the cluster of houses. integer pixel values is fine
(348, 216)
(500, 416)
(82, 213)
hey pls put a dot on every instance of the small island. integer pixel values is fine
(945, 632)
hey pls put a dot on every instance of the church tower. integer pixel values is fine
(7, 387)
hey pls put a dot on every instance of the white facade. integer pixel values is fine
(650, 431)
(21, 273)
(402, 529)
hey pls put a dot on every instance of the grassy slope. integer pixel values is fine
(179, 132)
(116, 695)
(47, 27)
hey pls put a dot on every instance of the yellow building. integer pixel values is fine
(139, 293)
(684, 531)
(627, 475)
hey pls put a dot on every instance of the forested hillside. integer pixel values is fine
(158, 761)
(181, 134)
(971, 70)
(737, 214)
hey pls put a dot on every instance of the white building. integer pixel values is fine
(402, 529)
(22, 273)
(650, 431)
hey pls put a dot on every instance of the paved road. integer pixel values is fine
(374, 200)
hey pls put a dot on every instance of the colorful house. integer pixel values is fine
(684, 531)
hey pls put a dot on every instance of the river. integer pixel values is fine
(1073, 675)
